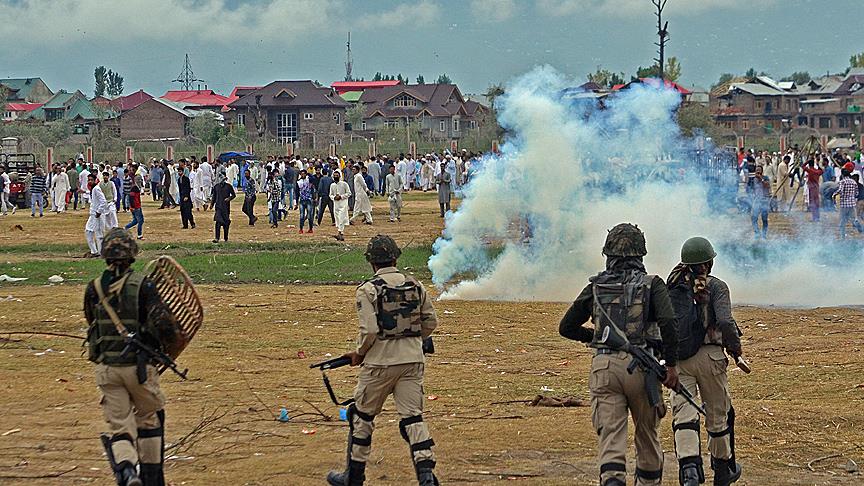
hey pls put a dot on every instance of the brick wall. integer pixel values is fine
(152, 119)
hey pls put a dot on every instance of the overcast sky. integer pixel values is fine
(476, 42)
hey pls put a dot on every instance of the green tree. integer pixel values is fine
(354, 115)
(115, 84)
(652, 71)
(493, 92)
(857, 60)
(694, 117)
(420, 79)
(101, 75)
(802, 77)
(444, 79)
(605, 78)
(724, 78)
(207, 128)
(673, 69)
(378, 77)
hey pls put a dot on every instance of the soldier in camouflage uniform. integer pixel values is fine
(396, 315)
(132, 401)
(637, 304)
(703, 366)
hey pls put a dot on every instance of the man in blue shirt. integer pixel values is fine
(155, 181)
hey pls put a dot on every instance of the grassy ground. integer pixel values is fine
(799, 412)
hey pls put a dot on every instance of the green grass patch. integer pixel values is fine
(238, 263)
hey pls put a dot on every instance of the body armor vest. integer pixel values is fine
(624, 298)
(398, 308)
(105, 343)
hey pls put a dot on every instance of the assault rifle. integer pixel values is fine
(148, 353)
(655, 372)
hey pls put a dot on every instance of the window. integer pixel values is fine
(745, 124)
(338, 118)
(802, 121)
(760, 122)
(363, 126)
(7, 114)
(455, 124)
(824, 122)
(391, 123)
(843, 122)
(404, 100)
(286, 127)
(308, 116)
(472, 124)
(758, 105)
(241, 119)
(442, 126)
(788, 105)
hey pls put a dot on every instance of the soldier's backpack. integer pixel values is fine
(691, 329)
(397, 308)
(623, 300)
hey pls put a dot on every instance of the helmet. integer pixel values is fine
(119, 245)
(382, 249)
(697, 250)
(625, 240)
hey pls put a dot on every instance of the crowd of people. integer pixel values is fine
(821, 181)
(313, 186)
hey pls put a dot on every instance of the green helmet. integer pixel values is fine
(382, 249)
(118, 244)
(697, 250)
(625, 240)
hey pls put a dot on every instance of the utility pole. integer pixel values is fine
(186, 78)
(662, 32)
(349, 61)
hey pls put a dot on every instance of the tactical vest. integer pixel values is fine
(398, 308)
(625, 298)
(105, 343)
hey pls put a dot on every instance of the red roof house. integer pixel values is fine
(654, 82)
(201, 98)
(130, 101)
(13, 111)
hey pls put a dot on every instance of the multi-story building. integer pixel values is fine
(292, 111)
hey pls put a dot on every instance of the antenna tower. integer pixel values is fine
(187, 76)
(349, 61)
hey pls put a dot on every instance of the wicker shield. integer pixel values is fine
(177, 291)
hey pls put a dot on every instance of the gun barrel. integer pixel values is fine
(332, 363)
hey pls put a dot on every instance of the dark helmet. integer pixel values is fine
(625, 240)
(382, 249)
(118, 244)
(697, 250)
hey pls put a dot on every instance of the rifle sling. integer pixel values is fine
(103, 301)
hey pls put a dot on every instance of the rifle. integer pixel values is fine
(148, 353)
(329, 365)
(655, 371)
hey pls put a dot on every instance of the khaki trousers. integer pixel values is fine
(374, 385)
(614, 391)
(704, 375)
(131, 409)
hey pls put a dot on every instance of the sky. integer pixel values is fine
(476, 42)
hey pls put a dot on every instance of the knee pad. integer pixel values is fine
(420, 441)
(651, 476)
(151, 442)
(361, 444)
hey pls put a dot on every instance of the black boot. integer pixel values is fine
(425, 477)
(126, 475)
(152, 475)
(614, 482)
(355, 475)
(726, 471)
(690, 475)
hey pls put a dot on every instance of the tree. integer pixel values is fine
(101, 75)
(802, 77)
(378, 77)
(605, 78)
(724, 78)
(444, 79)
(673, 69)
(857, 60)
(115, 84)
(354, 115)
(3, 94)
(493, 92)
(693, 117)
(207, 128)
(420, 79)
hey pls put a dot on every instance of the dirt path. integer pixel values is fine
(800, 412)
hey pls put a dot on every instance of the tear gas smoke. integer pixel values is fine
(532, 222)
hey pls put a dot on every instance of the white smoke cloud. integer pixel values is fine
(570, 173)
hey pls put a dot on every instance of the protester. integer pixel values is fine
(135, 207)
(59, 188)
(184, 186)
(443, 179)
(339, 193)
(847, 200)
(759, 188)
(362, 204)
(250, 188)
(394, 194)
(324, 196)
(98, 206)
(813, 173)
(72, 175)
(5, 183)
(274, 196)
(109, 191)
(37, 192)
(222, 195)
(306, 197)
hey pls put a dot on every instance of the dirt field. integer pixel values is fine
(800, 412)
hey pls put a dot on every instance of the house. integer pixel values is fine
(832, 105)
(343, 87)
(154, 119)
(14, 111)
(292, 111)
(25, 90)
(130, 101)
(199, 99)
(56, 107)
(440, 109)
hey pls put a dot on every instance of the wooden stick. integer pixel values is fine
(59, 334)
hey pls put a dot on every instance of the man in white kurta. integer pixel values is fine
(59, 188)
(362, 204)
(410, 174)
(206, 180)
(339, 193)
(93, 231)
(175, 182)
(402, 168)
(232, 171)
(195, 184)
